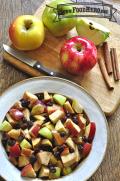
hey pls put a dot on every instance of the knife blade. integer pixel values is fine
(20, 55)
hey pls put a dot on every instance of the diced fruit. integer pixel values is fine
(90, 131)
(68, 108)
(16, 114)
(25, 144)
(67, 170)
(46, 142)
(44, 157)
(23, 161)
(28, 171)
(13, 160)
(27, 152)
(73, 128)
(26, 113)
(39, 118)
(38, 109)
(81, 121)
(69, 159)
(60, 127)
(15, 150)
(36, 142)
(5, 126)
(53, 160)
(60, 99)
(51, 109)
(59, 164)
(18, 106)
(47, 97)
(49, 125)
(59, 140)
(26, 134)
(70, 143)
(36, 166)
(34, 130)
(56, 174)
(30, 97)
(65, 151)
(45, 132)
(14, 133)
(77, 154)
(86, 149)
(10, 119)
(78, 140)
(55, 116)
(76, 106)
(44, 172)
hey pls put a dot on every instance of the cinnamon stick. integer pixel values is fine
(104, 73)
(116, 64)
(107, 58)
(113, 64)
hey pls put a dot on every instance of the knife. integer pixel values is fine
(20, 55)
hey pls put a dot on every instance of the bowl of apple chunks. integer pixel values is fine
(47, 135)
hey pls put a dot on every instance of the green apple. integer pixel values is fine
(60, 99)
(5, 126)
(92, 30)
(45, 132)
(67, 170)
(77, 107)
(56, 174)
(25, 144)
(55, 26)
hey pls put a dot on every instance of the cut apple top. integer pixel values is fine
(46, 135)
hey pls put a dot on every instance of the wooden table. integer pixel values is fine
(9, 9)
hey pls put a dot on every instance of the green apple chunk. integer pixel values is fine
(77, 107)
(60, 99)
(58, 27)
(67, 170)
(25, 144)
(5, 126)
(45, 132)
(92, 30)
(56, 174)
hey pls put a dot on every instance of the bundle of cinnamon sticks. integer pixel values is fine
(109, 64)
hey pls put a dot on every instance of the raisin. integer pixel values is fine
(60, 148)
(17, 126)
(52, 169)
(36, 150)
(24, 126)
(80, 147)
(75, 120)
(11, 142)
(25, 103)
(50, 103)
(62, 133)
(32, 118)
(33, 159)
(40, 96)
(20, 138)
(57, 154)
(71, 150)
(29, 124)
(85, 139)
(68, 115)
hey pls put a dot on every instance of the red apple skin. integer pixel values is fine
(92, 131)
(78, 62)
(35, 130)
(26, 152)
(86, 149)
(80, 123)
(16, 114)
(72, 130)
(15, 150)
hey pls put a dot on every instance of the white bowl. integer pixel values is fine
(35, 85)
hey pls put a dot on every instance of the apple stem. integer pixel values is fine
(28, 23)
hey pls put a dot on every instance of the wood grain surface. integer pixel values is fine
(9, 9)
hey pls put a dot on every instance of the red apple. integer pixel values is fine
(59, 140)
(90, 131)
(16, 114)
(51, 109)
(78, 55)
(81, 121)
(27, 152)
(28, 171)
(86, 149)
(26, 32)
(34, 130)
(73, 128)
(15, 150)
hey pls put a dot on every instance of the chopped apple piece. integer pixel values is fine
(36, 142)
(28, 171)
(54, 117)
(44, 172)
(26, 134)
(39, 118)
(60, 127)
(18, 106)
(69, 159)
(49, 125)
(77, 107)
(68, 107)
(86, 149)
(59, 164)
(60, 99)
(78, 140)
(70, 143)
(65, 151)
(27, 152)
(53, 160)
(77, 154)
(81, 121)
(90, 131)
(56, 174)
(44, 157)
(38, 109)
(51, 109)
(23, 161)
(26, 113)
(15, 150)
(5, 126)
(36, 166)
(46, 133)
(30, 97)
(34, 131)
(72, 127)
(67, 170)
(13, 160)
(47, 97)
(25, 144)
(46, 142)
(59, 140)
(10, 119)
(14, 133)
